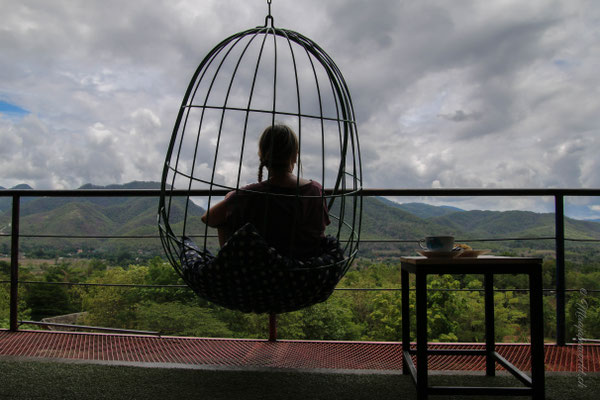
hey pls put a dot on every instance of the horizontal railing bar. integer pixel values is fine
(90, 236)
(87, 192)
(104, 236)
(57, 236)
(132, 285)
(523, 239)
(460, 290)
(459, 240)
(339, 289)
(479, 192)
(96, 328)
(364, 192)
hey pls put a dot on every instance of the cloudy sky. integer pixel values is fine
(461, 94)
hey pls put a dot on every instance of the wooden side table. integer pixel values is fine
(488, 266)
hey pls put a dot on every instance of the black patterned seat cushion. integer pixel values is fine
(249, 275)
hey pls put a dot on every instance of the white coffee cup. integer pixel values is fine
(437, 243)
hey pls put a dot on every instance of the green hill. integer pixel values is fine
(380, 220)
(95, 216)
(422, 210)
(496, 224)
(6, 202)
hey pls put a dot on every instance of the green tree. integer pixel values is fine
(377, 313)
(4, 306)
(23, 312)
(95, 267)
(174, 318)
(162, 273)
(511, 317)
(471, 322)
(114, 306)
(385, 320)
(443, 308)
(4, 270)
(48, 300)
(583, 316)
(330, 320)
(244, 325)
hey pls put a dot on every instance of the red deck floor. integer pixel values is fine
(383, 356)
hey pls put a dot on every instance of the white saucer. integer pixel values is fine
(440, 254)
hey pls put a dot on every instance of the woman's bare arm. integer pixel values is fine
(216, 216)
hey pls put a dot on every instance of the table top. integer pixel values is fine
(472, 265)
(420, 260)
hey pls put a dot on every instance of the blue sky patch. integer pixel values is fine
(12, 110)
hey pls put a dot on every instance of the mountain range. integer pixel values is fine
(422, 210)
(382, 219)
(93, 216)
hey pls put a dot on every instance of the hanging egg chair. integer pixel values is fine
(255, 79)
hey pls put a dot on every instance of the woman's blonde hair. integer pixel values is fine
(277, 148)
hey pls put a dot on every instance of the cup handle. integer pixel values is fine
(421, 243)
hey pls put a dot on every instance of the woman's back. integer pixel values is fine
(292, 220)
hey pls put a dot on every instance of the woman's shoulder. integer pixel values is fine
(253, 187)
(307, 186)
(314, 184)
(257, 186)
(312, 187)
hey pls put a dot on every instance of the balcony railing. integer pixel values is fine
(559, 236)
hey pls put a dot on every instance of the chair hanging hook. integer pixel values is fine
(269, 16)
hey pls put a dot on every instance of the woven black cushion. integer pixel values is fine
(249, 275)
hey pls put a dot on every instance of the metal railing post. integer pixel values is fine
(560, 268)
(272, 327)
(14, 263)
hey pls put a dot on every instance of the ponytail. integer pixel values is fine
(260, 171)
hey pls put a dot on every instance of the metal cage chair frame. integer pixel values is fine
(348, 180)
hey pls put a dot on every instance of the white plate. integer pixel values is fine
(474, 253)
(440, 254)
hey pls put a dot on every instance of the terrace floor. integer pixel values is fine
(185, 352)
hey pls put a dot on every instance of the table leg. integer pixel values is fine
(421, 289)
(490, 333)
(404, 279)
(536, 309)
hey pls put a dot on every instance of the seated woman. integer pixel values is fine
(288, 211)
